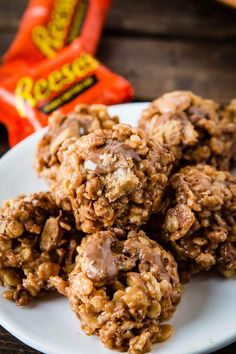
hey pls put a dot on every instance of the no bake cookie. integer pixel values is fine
(113, 177)
(199, 225)
(197, 130)
(122, 289)
(36, 241)
(83, 120)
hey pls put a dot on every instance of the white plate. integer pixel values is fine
(204, 321)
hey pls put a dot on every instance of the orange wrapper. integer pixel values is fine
(48, 26)
(72, 77)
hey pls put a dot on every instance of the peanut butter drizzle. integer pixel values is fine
(153, 258)
(101, 262)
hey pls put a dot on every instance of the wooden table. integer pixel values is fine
(159, 46)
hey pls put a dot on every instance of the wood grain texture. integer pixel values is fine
(11, 345)
(192, 19)
(132, 45)
(159, 45)
(179, 18)
(156, 66)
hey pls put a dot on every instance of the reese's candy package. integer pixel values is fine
(48, 26)
(72, 77)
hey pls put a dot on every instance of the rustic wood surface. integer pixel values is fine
(159, 45)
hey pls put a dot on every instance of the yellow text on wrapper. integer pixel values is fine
(51, 38)
(30, 92)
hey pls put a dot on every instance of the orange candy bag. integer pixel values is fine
(48, 26)
(72, 77)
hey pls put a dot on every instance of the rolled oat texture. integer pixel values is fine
(199, 224)
(36, 242)
(113, 177)
(83, 120)
(122, 287)
(197, 130)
